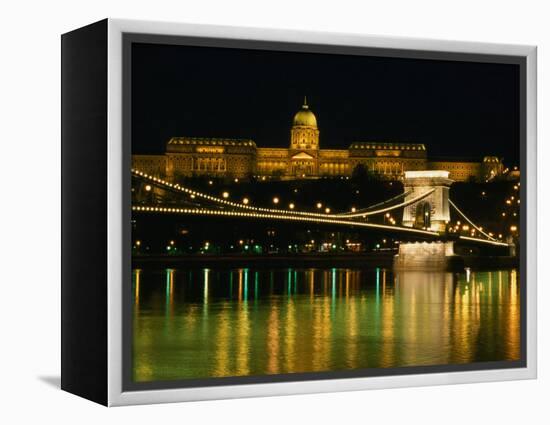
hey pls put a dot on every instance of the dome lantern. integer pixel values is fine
(304, 117)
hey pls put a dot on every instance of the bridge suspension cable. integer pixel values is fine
(387, 209)
(470, 221)
(367, 209)
(179, 188)
(285, 217)
(221, 201)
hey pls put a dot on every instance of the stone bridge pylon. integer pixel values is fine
(431, 212)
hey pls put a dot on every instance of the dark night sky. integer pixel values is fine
(457, 109)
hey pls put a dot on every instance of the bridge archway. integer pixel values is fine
(423, 215)
(432, 212)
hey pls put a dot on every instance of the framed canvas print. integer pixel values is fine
(252, 212)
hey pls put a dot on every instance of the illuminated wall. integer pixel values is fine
(334, 162)
(272, 161)
(458, 170)
(187, 157)
(388, 160)
(461, 171)
(154, 165)
(236, 158)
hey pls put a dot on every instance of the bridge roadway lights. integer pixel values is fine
(432, 212)
(426, 256)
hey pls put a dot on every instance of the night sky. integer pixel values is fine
(458, 109)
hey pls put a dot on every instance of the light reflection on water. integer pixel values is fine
(215, 323)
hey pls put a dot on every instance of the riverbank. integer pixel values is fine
(371, 259)
(377, 259)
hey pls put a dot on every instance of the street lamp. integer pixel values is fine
(319, 205)
(245, 201)
(225, 195)
(275, 200)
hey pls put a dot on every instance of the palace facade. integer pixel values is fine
(241, 158)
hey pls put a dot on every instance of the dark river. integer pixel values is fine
(213, 323)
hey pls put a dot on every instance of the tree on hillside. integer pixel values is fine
(361, 174)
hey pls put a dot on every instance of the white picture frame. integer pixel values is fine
(116, 395)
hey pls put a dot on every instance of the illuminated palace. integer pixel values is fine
(240, 158)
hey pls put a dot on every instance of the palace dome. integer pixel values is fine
(304, 117)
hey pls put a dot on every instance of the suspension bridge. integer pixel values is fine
(425, 204)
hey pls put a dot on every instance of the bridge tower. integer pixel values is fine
(431, 212)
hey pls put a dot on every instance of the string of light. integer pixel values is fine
(393, 207)
(180, 188)
(324, 219)
(367, 209)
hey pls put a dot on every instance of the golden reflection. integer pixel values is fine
(223, 341)
(240, 290)
(316, 337)
(446, 312)
(321, 333)
(354, 319)
(243, 340)
(352, 331)
(465, 328)
(326, 333)
(490, 295)
(311, 283)
(273, 340)
(513, 287)
(144, 371)
(406, 290)
(430, 318)
(290, 335)
(191, 317)
(169, 291)
(206, 285)
(387, 348)
(137, 279)
(347, 284)
(513, 342)
(500, 285)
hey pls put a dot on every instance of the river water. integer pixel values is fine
(237, 322)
